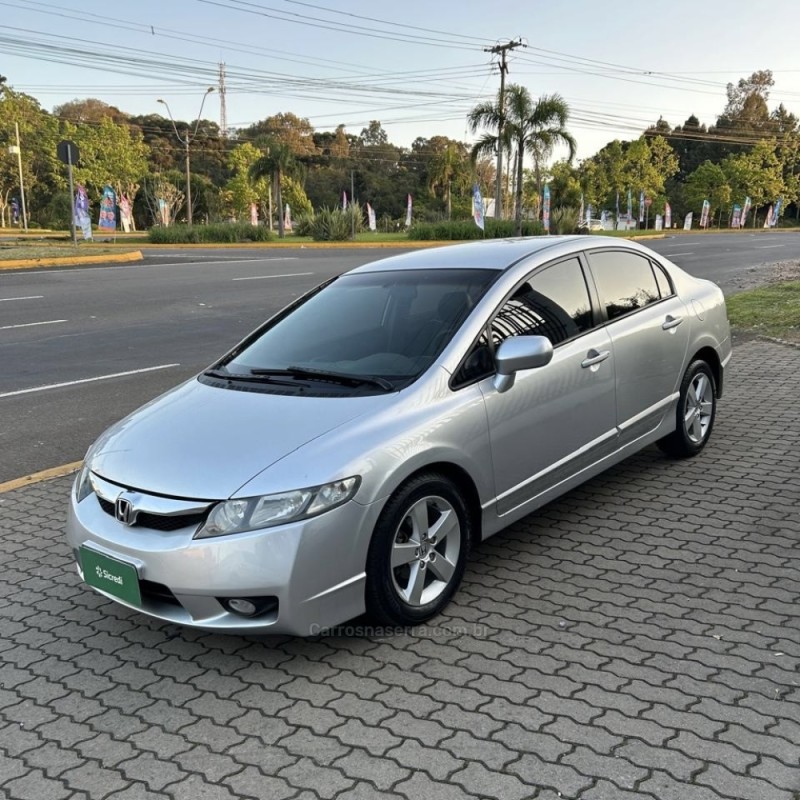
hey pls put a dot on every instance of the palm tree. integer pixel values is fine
(276, 161)
(528, 127)
(445, 169)
(488, 115)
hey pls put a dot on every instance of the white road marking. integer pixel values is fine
(681, 253)
(87, 380)
(78, 270)
(264, 277)
(223, 261)
(30, 324)
(769, 246)
(30, 297)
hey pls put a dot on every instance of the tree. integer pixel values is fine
(565, 187)
(446, 168)
(277, 159)
(708, 182)
(297, 133)
(757, 174)
(244, 191)
(374, 134)
(528, 127)
(90, 110)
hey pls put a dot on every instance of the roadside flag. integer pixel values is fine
(344, 201)
(287, 218)
(81, 212)
(108, 211)
(641, 206)
(371, 218)
(546, 209)
(776, 213)
(14, 211)
(253, 214)
(580, 210)
(704, 214)
(125, 213)
(769, 217)
(687, 222)
(617, 217)
(659, 222)
(408, 213)
(745, 210)
(477, 206)
(736, 218)
(630, 206)
(667, 215)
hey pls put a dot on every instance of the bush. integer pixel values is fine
(301, 225)
(564, 219)
(467, 229)
(332, 225)
(222, 232)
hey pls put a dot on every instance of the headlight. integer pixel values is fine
(253, 513)
(83, 483)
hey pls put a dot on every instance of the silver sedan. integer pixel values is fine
(348, 453)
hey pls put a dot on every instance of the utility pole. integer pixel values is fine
(18, 152)
(501, 50)
(190, 135)
(223, 109)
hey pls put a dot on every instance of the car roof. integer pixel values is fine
(496, 254)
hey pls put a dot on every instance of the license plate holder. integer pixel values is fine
(111, 575)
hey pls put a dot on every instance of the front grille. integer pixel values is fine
(157, 592)
(157, 522)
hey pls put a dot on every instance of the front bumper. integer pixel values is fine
(314, 568)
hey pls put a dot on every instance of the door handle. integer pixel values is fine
(671, 322)
(595, 357)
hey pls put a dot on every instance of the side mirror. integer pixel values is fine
(520, 352)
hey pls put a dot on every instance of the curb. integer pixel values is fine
(38, 477)
(68, 261)
(296, 245)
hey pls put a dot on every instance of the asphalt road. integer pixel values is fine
(81, 347)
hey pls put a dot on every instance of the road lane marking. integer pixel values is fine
(769, 246)
(681, 253)
(87, 380)
(30, 297)
(31, 324)
(140, 265)
(264, 277)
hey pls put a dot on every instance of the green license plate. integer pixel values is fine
(111, 576)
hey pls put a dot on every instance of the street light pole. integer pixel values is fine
(17, 150)
(186, 141)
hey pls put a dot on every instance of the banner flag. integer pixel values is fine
(14, 211)
(687, 222)
(736, 218)
(589, 216)
(108, 211)
(667, 215)
(477, 206)
(125, 213)
(344, 201)
(659, 222)
(371, 218)
(163, 211)
(603, 219)
(704, 214)
(408, 213)
(580, 210)
(617, 219)
(745, 210)
(546, 209)
(776, 213)
(287, 218)
(769, 217)
(80, 212)
(641, 206)
(253, 214)
(630, 206)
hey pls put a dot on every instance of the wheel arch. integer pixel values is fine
(711, 357)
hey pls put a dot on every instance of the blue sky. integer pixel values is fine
(617, 67)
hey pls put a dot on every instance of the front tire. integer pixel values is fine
(418, 551)
(697, 408)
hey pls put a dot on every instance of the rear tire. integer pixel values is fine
(418, 551)
(697, 408)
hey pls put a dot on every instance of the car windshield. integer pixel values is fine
(388, 326)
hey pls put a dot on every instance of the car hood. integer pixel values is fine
(203, 442)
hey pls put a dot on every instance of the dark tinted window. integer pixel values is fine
(388, 324)
(662, 280)
(625, 282)
(553, 303)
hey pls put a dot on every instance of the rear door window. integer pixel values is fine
(625, 282)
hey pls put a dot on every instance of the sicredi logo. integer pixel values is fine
(106, 575)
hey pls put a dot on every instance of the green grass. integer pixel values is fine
(45, 250)
(770, 311)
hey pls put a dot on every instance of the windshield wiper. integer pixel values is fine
(252, 377)
(343, 378)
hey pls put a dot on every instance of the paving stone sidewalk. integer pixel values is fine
(638, 638)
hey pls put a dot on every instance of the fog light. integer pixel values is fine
(241, 606)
